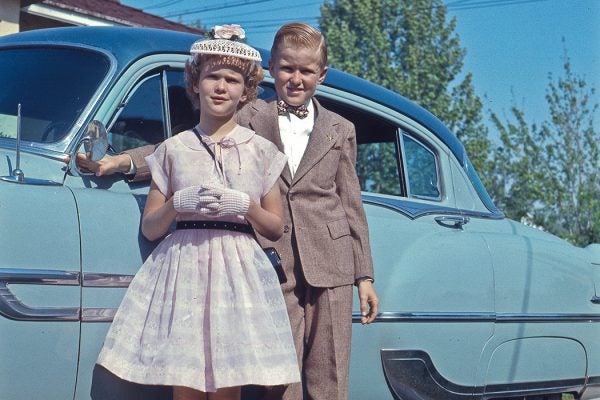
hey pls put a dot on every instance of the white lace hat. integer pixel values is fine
(226, 40)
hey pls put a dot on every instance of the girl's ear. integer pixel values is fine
(195, 87)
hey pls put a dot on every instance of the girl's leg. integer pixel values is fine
(230, 393)
(185, 393)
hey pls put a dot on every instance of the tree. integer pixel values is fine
(550, 175)
(572, 159)
(410, 48)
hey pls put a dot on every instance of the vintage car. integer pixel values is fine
(473, 305)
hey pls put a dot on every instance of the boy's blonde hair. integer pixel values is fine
(300, 35)
(251, 71)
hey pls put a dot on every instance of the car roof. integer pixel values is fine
(128, 44)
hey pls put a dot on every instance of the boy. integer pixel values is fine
(325, 246)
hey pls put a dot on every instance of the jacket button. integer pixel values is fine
(292, 197)
(286, 228)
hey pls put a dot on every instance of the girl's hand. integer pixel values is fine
(219, 201)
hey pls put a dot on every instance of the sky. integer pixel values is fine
(512, 45)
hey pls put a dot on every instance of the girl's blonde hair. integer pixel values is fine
(251, 71)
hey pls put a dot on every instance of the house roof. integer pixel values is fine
(114, 11)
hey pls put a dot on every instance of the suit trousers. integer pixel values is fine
(321, 321)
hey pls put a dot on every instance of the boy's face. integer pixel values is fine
(297, 72)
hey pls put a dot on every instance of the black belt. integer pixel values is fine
(230, 226)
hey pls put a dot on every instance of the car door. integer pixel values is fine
(39, 291)
(147, 105)
(433, 275)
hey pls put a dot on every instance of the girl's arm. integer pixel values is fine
(158, 214)
(267, 217)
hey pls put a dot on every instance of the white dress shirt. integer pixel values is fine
(295, 133)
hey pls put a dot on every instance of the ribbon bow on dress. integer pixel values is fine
(300, 111)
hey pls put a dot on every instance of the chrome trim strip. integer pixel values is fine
(416, 210)
(99, 280)
(478, 317)
(106, 280)
(12, 308)
(30, 181)
(98, 314)
(39, 277)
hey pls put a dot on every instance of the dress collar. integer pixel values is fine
(238, 134)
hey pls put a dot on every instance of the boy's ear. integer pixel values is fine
(322, 74)
(271, 66)
(195, 87)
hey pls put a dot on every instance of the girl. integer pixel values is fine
(205, 313)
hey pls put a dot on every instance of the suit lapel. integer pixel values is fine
(265, 123)
(322, 138)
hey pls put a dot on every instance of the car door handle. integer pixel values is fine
(452, 221)
(12, 308)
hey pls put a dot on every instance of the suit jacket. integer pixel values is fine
(324, 219)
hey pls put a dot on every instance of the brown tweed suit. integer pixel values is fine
(324, 248)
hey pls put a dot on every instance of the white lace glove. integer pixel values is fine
(226, 201)
(193, 199)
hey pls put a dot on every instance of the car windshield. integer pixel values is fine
(53, 86)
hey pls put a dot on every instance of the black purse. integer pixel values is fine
(271, 253)
(273, 256)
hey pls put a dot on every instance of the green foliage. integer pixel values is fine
(384, 177)
(410, 48)
(550, 175)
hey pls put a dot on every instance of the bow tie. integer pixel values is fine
(300, 111)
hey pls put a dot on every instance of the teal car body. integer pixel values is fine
(473, 305)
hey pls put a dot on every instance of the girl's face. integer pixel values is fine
(220, 88)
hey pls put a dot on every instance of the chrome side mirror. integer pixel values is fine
(95, 145)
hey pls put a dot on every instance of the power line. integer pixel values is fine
(199, 10)
(462, 5)
(163, 4)
(269, 21)
(273, 9)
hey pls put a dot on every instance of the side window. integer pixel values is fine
(141, 121)
(377, 165)
(182, 114)
(378, 150)
(421, 169)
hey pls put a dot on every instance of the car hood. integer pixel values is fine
(38, 168)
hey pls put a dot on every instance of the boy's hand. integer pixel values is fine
(108, 165)
(369, 303)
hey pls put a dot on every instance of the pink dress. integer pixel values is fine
(205, 310)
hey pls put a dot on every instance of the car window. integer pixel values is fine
(421, 169)
(143, 118)
(49, 85)
(384, 164)
(182, 114)
(377, 164)
(378, 150)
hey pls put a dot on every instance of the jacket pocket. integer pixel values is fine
(338, 228)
